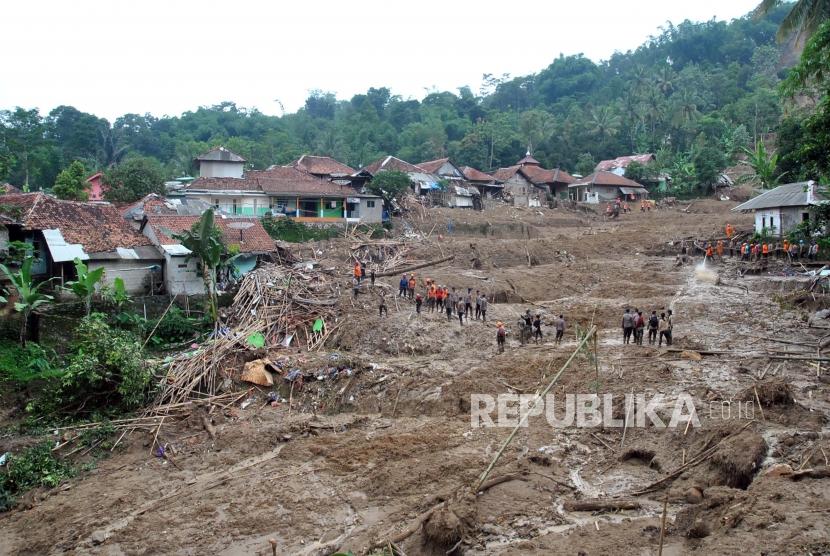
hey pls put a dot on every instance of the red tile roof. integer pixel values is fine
(471, 174)
(247, 233)
(539, 175)
(289, 180)
(504, 174)
(432, 166)
(391, 163)
(321, 165)
(608, 179)
(528, 160)
(280, 180)
(222, 184)
(98, 227)
(624, 161)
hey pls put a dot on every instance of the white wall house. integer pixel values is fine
(220, 163)
(781, 209)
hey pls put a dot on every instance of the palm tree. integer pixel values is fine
(804, 17)
(685, 108)
(665, 80)
(604, 122)
(29, 296)
(204, 242)
(763, 164)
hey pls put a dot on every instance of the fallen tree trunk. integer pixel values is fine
(411, 268)
(597, 504)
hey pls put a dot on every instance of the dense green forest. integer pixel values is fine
(697, 94)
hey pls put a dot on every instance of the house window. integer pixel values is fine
(235, 207)
(805, 216)
(216, 204)
(370, 204)
(772, 223)
(763, 222)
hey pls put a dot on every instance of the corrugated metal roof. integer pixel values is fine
(788, 195)
(176, 250)
(220, 154)
(60, 250)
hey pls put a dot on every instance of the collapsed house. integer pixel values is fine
(244, 238)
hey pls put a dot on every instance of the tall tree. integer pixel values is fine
(71, 183)
(23, 131)
(804, 17)
(133, 179)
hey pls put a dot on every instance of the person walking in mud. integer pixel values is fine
(663, 327)
(627, 326)
(501, 336)
(382, 309)
(448, 307)
(670, 322)
(522, 332)
(460, 309)
(468, 303)
(419, 300)
(653, 325)
(482, 303)
(478, 304)
(537, 328)
(559, 324)
(639, 326)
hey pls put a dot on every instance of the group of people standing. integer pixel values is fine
(530, 326)
(442, 299)
(660, 328)
(752, 251)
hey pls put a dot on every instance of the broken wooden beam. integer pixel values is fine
(415, 267)
(600, 504)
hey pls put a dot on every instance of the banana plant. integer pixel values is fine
(29, 296)
(84, 286)
(204, 241)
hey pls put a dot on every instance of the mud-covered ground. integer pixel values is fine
(357, 460)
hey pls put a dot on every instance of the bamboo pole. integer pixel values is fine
(538, 397)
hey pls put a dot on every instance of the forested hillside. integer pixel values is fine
(695, 93)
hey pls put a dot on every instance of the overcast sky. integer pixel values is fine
(111, 57)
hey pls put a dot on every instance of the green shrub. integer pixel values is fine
(21, 366)
(35, 467)
(175, 327)
(107, 371)
(286, 229)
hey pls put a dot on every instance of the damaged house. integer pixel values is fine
(60, 231)
(243, 237)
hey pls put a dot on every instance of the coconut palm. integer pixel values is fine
(604, 122)
(804, 17)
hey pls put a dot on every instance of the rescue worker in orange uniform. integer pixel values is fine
(709, 251)
(358, 272)
(720, 248)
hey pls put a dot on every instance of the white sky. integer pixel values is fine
(111, 57)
